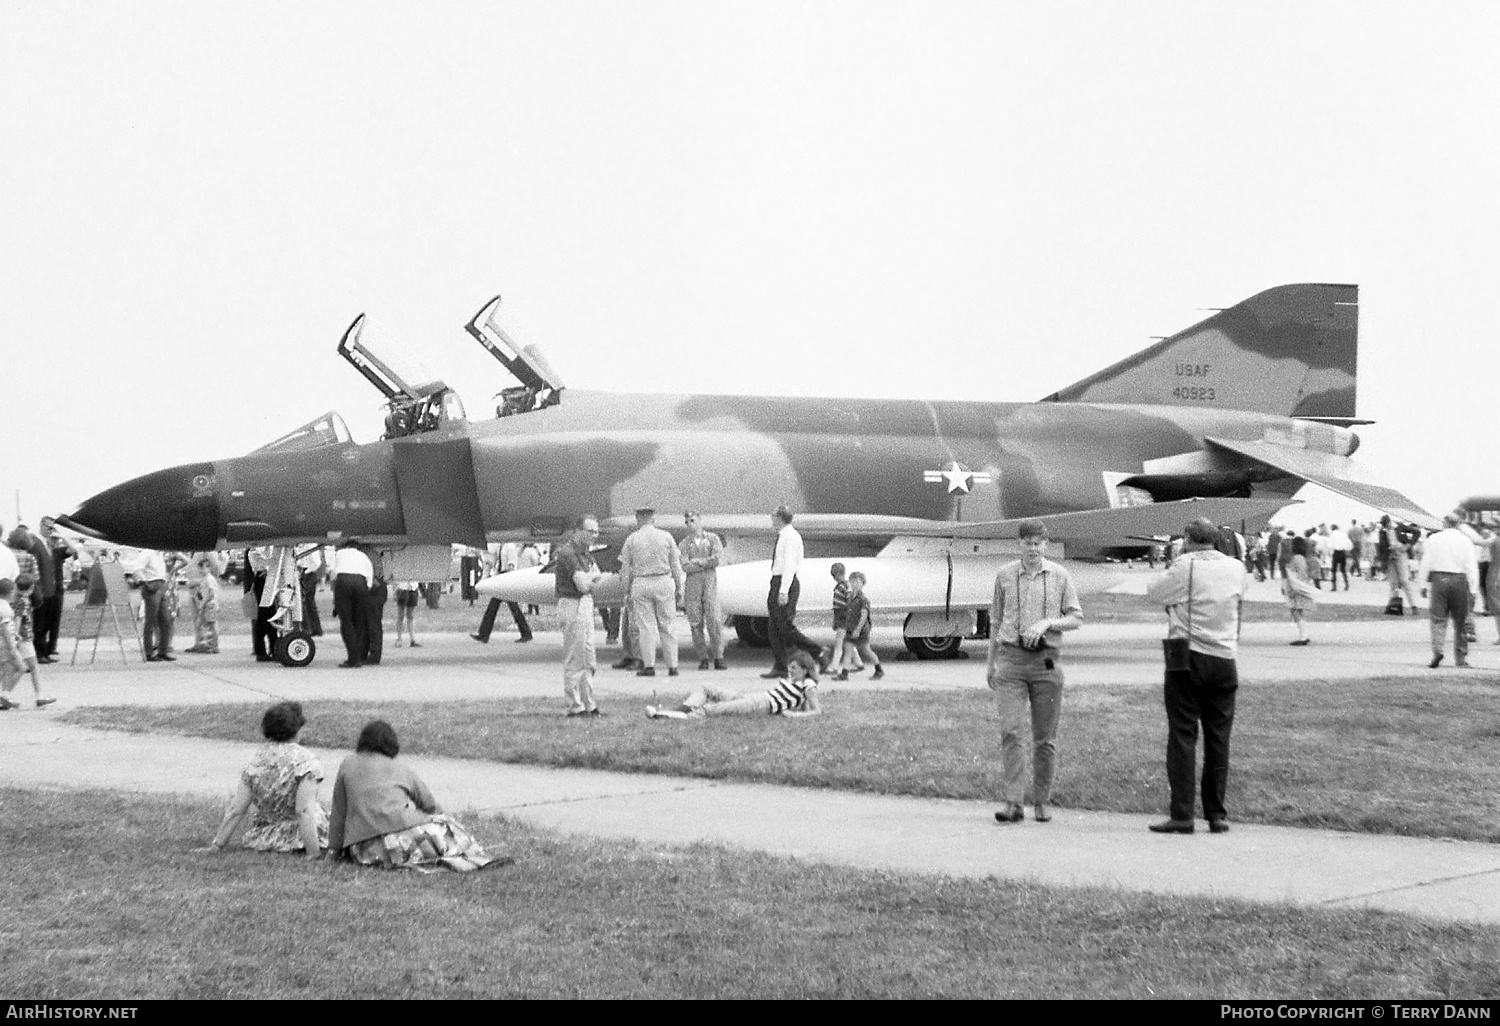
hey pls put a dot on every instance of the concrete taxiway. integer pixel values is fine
(1435, 878)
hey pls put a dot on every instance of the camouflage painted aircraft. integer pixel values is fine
(1226, 419)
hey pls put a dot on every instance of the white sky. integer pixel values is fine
(982, 200)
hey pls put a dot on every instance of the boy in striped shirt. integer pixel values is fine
(796, 694)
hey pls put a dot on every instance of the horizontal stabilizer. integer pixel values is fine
(1332, 472)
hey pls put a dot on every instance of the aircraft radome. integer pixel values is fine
(1226, 419)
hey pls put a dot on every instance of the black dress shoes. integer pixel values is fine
(1172, 826)
(1218, 826)
(1010, 812)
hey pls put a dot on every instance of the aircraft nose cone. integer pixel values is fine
(176, 508)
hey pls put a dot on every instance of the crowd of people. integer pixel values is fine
(383, 815)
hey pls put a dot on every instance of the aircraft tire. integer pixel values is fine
(754, 631)
(934, 648)
(296, 649)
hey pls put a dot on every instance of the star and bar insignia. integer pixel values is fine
(959, 477)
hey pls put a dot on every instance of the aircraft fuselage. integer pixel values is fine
(607, 453)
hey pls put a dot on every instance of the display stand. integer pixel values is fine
(108, 596)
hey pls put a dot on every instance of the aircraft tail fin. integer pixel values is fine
(1290, 351)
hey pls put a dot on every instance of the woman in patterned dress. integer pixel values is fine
(1297, 586)
(383, 815)
(280, 783)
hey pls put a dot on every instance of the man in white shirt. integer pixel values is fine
(1450, 571)
(353, 576)
(1341, 546)
(1203, 593)
(156, 627)
(781, 600)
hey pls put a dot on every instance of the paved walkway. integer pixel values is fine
(1435, 878)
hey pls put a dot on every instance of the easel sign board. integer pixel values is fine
(107, 586)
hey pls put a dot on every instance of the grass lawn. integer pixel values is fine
(1345, 755)
(104, 899)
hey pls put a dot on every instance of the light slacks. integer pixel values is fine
(579, 664)
(653, 607)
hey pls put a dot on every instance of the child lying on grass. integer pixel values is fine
(796, 695)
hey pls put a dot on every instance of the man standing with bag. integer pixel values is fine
(1202, 593)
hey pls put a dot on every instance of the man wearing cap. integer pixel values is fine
(1450, 570)
(701, 551)
(651, 572)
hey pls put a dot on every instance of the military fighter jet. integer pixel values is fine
(1226, 419)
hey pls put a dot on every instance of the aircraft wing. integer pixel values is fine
(1127, 525)
(1332, 472)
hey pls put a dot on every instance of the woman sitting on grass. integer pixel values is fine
(796, 695)
(383, 815)
(281, 783)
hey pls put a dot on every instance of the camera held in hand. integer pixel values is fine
(1035, 645)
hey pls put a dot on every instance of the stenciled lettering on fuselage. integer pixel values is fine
(1197, 391)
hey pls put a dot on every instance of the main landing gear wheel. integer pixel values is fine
(754, 631)
(295, 649)
(934, 648)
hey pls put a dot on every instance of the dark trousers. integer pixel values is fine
(48, 623)
(156, 631)
(1204, 693)
(784, 632)
(262, 634)
(1450, 601)
(1340, 565)
(375, 623)
(350, 594)
(487, 622)
(311, 622)
(468, 578)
